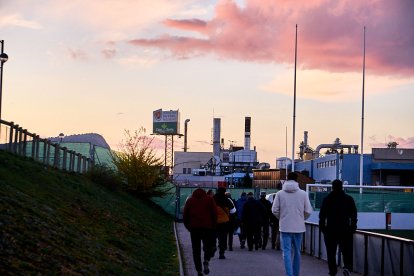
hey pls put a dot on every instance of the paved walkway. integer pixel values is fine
(243, 262)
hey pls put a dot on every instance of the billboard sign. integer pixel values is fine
(166, 122)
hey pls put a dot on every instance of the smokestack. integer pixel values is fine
(216, 136)
(305, 138)
(185, 134)
(247, 124)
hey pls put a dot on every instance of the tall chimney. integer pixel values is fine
(216, 136)
(247, 124)
(305, 139)
(185, 134)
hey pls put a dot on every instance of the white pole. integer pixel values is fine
(294, 102)
(361, 163)
(286, 162)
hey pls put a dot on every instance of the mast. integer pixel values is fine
(361, 163)
(294, 101)
(286, 159)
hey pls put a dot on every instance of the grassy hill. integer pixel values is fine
(59, 223)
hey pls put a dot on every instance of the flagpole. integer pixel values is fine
(286, 160)
(294, 101)
(361, 163)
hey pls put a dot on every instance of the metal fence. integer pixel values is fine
(386, 199)
(19, 141)
(374, 254)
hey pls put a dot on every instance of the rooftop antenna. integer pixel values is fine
(361, 163)
(294, 101)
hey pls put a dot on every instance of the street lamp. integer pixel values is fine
(3, 58)
(61, 136)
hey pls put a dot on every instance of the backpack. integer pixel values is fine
(222, 214)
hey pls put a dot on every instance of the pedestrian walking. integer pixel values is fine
(252, 219)
(232, 223)
(292, 207)
(239, 206)
(266, 219)
(200, 217)
(224, 208)
(338, 223)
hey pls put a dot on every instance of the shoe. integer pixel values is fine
(206, 269)
(250, 249)
(346, 272)
(199, 273)
(222, 256)
(230, 248)
(242, 246)
(263, 248)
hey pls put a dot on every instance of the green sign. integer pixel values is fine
(165, 127)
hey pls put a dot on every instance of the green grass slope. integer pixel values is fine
(59, 223)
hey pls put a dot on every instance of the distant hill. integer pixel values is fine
(92, 138)
(59, 223)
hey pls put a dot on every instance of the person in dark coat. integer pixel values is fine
(252, 219)
(232, 224)
(225, 208)
(266, 219)
(239, 206)
(200, 217)
(338, 223)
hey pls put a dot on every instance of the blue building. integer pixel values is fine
(385, 166)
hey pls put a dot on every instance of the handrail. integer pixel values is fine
(374, 253)
(18, 142)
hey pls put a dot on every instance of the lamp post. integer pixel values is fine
(3, 58)
(61, 136)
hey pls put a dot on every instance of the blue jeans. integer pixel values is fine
(291, 243)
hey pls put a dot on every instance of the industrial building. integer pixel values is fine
(389, 166)
(216, 168)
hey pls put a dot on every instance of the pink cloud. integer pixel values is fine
(77, 54)
(330, 34)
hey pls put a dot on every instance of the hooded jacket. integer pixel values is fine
(200, 211)
(292, 207)
(338, 213)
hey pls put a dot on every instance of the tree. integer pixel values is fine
(138, 166)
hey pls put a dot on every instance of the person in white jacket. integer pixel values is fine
(292, 207)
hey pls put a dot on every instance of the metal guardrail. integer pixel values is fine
(19, 141)
(374, 253)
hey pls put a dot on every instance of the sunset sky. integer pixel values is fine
(104, 66)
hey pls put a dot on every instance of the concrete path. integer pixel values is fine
(243, 262)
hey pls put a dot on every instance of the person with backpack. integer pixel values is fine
(200, 218)
(225, 207)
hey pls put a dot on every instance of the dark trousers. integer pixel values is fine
(265, 235)
(252, 235)
(199, 236)
(222, 230)
(242, 235)
(345, 243)
(274, 229)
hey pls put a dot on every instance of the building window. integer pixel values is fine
(188, 170)
(184, 170)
